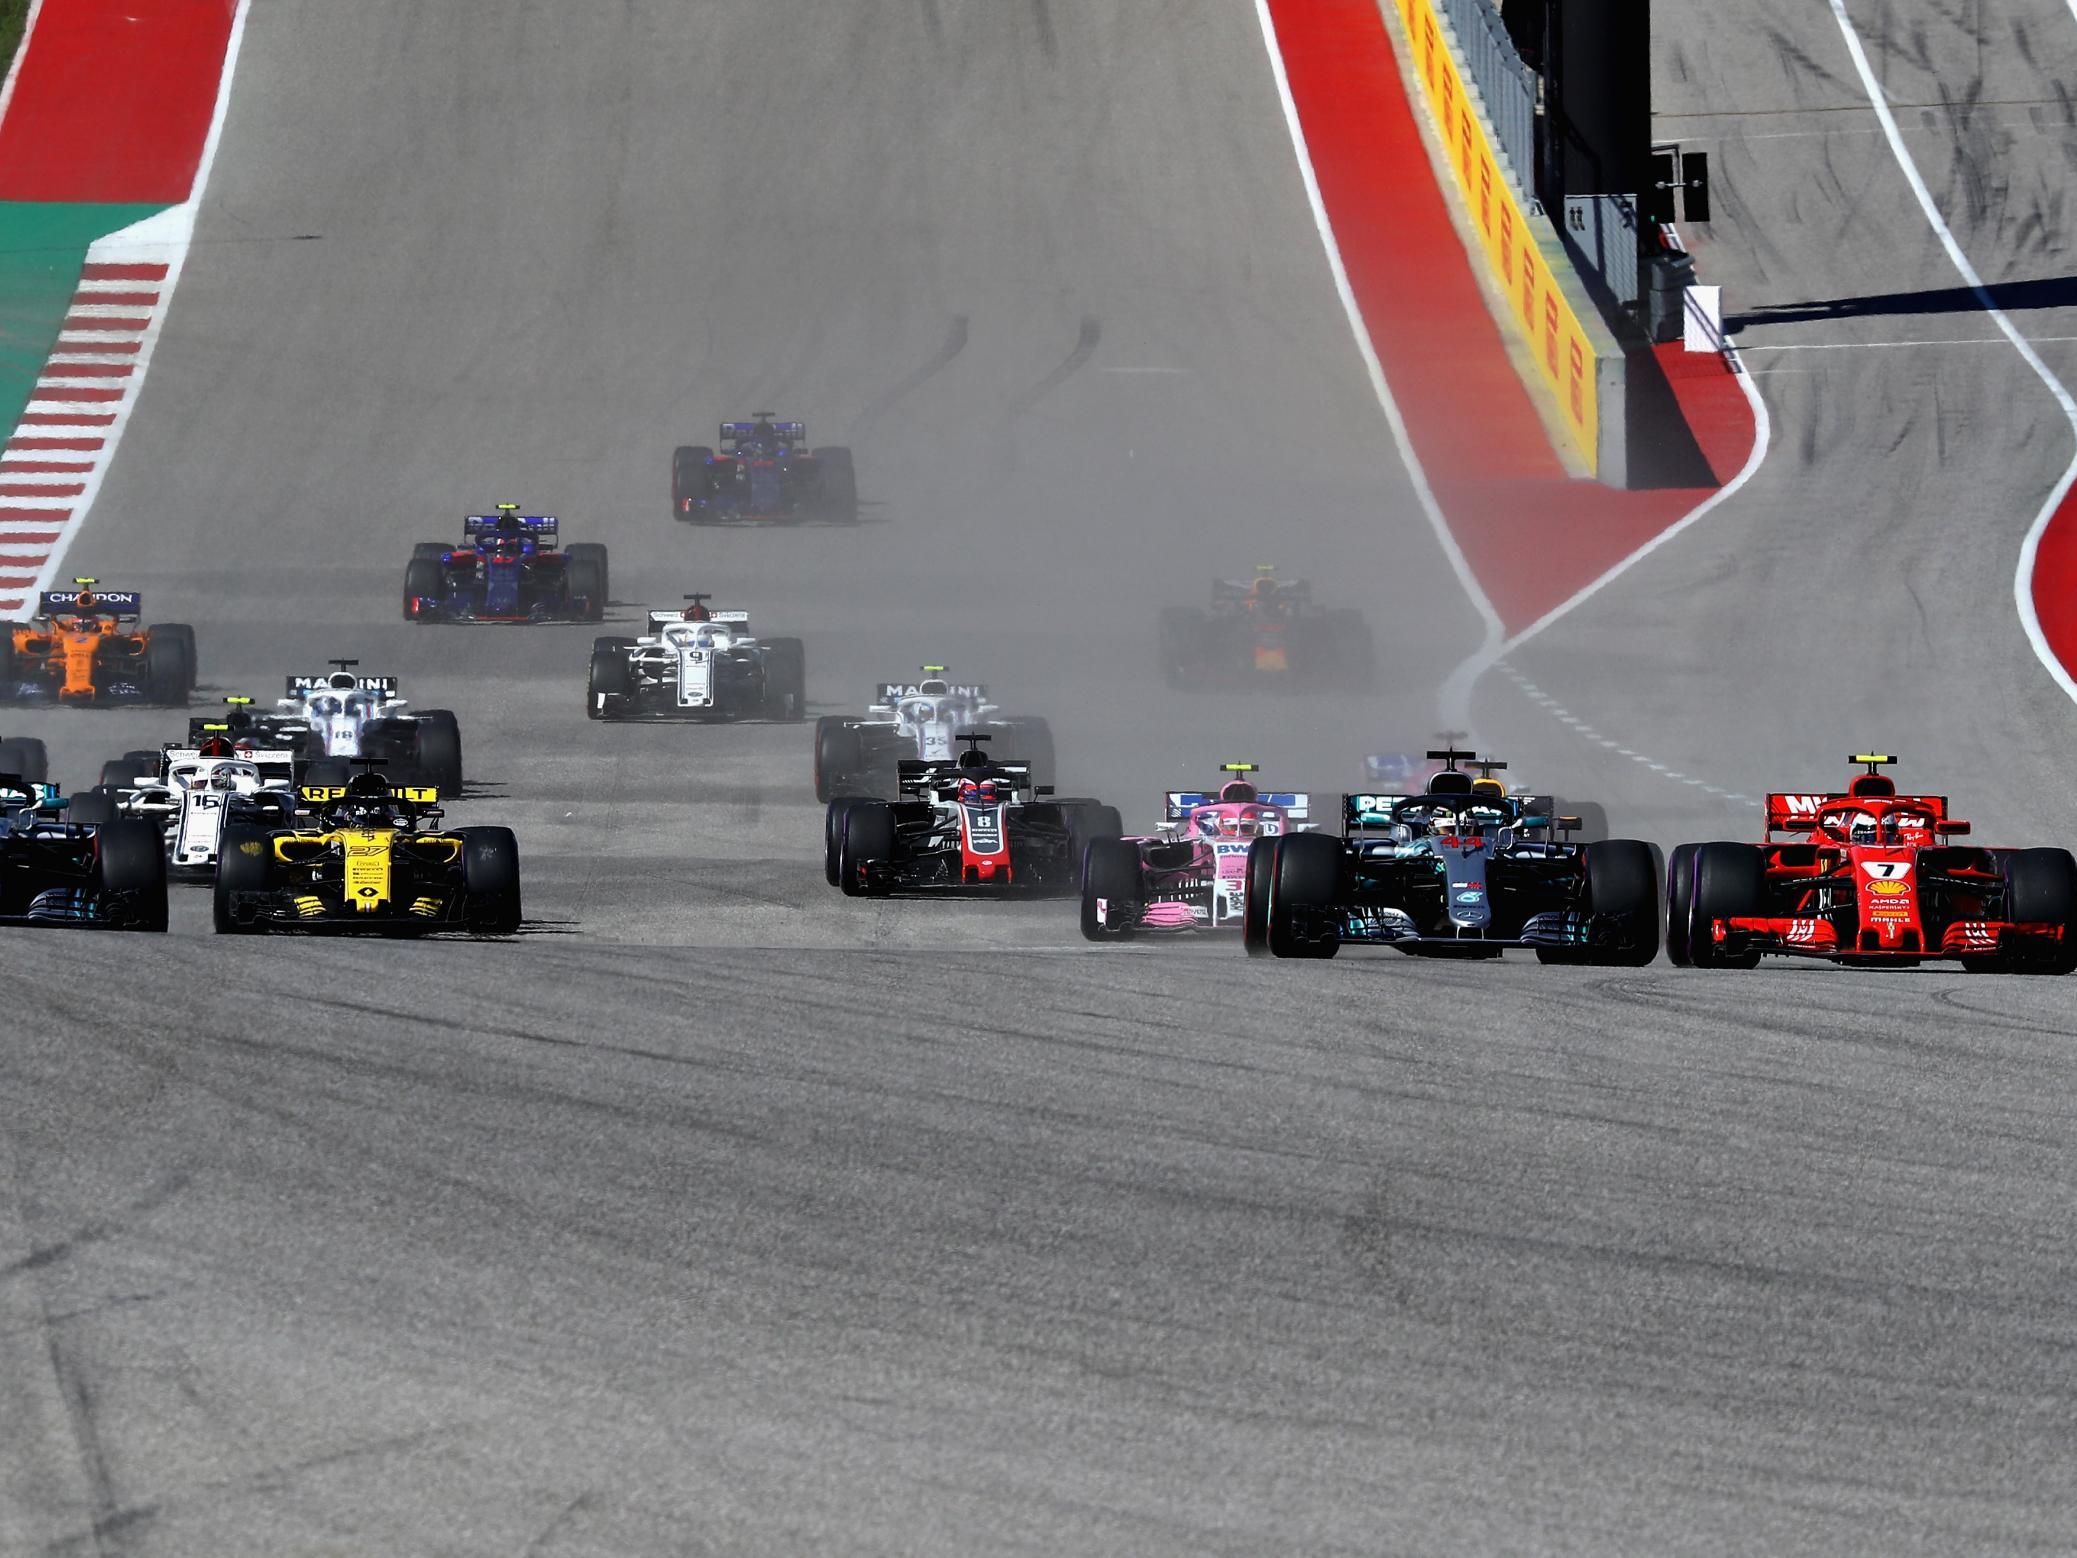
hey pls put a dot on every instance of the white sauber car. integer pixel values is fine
(919, 721)
(199, 789)
(697, 664)
(341, 715)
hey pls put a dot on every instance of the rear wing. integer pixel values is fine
(323, 794)
(1244, 589)
(385, 686)
(542, 528)
(917, 775)
(894, 692)
(1363, 813)
(669, 617)
(1798, 814)
(1296, 805)
(736, 432)
(120, 603)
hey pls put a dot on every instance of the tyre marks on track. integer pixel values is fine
(863, 424)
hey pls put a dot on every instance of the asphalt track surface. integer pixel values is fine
(718, 1215)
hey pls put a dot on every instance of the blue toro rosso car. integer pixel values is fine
(507, 569)
(763, 472)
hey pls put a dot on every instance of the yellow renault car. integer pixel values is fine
(371, 856)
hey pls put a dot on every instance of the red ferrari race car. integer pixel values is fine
(1871, 878)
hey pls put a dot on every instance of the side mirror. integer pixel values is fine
(1043, 789)
(1954, 829)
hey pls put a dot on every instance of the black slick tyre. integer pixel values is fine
(424, 580)
(1110, 876)
(1680, 889)
(2041, 885)
(609, 682)
(839, 755)
(868, 836)
(1730, 883)
(183, 635)
(438, 750)
(585, 582)
(1182, 645)
(169, 669)
(435, 551)
(691, 479)
(131, 863)
(833, 835)
(243, 865)
(1623, 879)
(839, 496)
(26, 758)
(785, 679)
(95, 809)
(1305, 875)
(490, 878)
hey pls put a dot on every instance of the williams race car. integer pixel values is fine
(763, 473)
(1193, 874)
(697, 664)
(1871, 878)
(373, 859)
(917, 720)
(968, 825)
(1266, 632)
(56, 870)
(86, 646)
(340, 715)
(507, 569)
(1460, 870)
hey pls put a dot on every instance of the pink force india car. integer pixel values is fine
(1192, 875)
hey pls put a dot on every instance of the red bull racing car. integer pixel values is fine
(1869, 877)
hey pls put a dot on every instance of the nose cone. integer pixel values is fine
(1465, 892)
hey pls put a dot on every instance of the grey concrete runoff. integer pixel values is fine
(716, 1215)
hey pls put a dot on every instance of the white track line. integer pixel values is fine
(164, 239)
(2023, 576)
(21, 52)
(1494, 631)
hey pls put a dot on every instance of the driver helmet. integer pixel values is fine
(214, 746)
(980, 792)
(223, 780)
(1229, 824)
(366, 801)
(1863, 828)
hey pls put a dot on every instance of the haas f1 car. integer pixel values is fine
(1266, 632)
(697, 664)
(1193, 874)
(1870, 877)
(1462, 870)
(763, 472)
(918, 721)
(57, 870)
(373, 858)
(87, 647)
(970, 825)
(507, 569)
